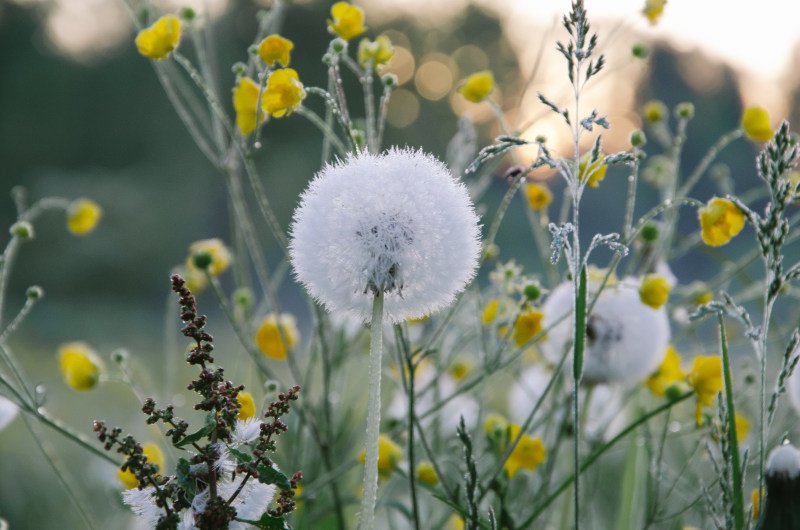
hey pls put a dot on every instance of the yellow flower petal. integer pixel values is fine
(528, 454)
(427, 474)
(389, 454)
(668, 373)
(653, 9)
(478, 86)
(268, 336)
(539, 197)
(79, 365)
(595, 172)
(654, 291)
(159, 39)
(720, 220)
(245, 103)
(755, 122)
(490, 311)
(380, 51)
(275, 49)
(706, 380)
(283, 94)
(220, 256)
(83, 216)
(248, 406)
(527, 326)
(154, 456)
(348, 20)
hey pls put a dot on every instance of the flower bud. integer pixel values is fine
(640, 50)
(22, 230)
(638, 138)
(202, 259)
(34, 292)
(649, 233)
(532, 292)
(685, 111)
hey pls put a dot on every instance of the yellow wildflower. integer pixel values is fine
(79, 365)
(220, 256)
(742, 427)
(154, 456)
(755, 122)
(654, 290)
(490, 311)
(595, 172)
(275, 49)
(380, 51)
(754, 496)
(455, 522)
(268, 335)
(460, 369)
(654, 111)
(245, 103)
(159, 39)
(653, 9)
(348, 20)
(283, 94)
(389, 454)
(427, 474)
(495, 423)
(248, 406)
(83, 216)
(539, 197)
(669, 372)
(527, 326)
(706, 380)
(720, 220)
(478, 86)
(529, 452)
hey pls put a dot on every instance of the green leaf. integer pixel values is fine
(199, 435)
(267, 522)
(241, 457)
(270, 475)
(185, 478)
(580, 326)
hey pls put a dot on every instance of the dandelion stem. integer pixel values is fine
(366, 519)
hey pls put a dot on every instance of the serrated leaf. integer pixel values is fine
(270, 475)
(241, 456)
(196, 436)
(185, 478)
(267, 522)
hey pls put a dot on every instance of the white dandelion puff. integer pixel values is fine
(625, 339)
(398, 222)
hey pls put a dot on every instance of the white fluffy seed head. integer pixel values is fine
(784, 462)
(398, 221)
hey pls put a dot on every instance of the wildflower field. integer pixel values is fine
(337, 272)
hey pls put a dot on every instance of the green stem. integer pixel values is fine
(326, 130)
(738, 501)
(366, 520)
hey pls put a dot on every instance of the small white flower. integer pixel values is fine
(398, 221)
(8, 411)
(625, 339)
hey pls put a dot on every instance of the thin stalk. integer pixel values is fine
(738, 500)
(366, 519)
(411, 367)
(326, 130)
(709, 157)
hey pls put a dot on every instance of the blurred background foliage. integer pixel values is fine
(96, 123)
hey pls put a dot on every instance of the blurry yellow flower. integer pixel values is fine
(268, 336)
(154, 456)
(490, 311)
(595, 172)
(245, 103)
(720, 220)
(380, 51)
(389, 454)
(495, 423)
(159, 39)
(529, 452)
(275, 49)
(701, 293)
(653, 9)
(283, 94)
(755, 122)
(654, 111)
(654, 290)
(706, 380)
(348, 20)
(742, 427)
(478, 86)
(539, 197)
(83, 216)
(668, 372)
(460, 369)
(79, 365)
(455, 522)
(427, 474)
(220, 256)
(754, 496)
(527, 326)
(248, 406)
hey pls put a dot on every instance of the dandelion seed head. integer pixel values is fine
(398, 222)
(784, 461)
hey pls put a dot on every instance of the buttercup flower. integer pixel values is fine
(79, 365)
(490, 311)
(348, 20)
(398, 221)
(83, 216)
(283, 94)
(742, 427)
(539, 197)
(655, 111)
(159, 39)
(755, 122)
(625, 339)
(495, 423)
(528, 454)
(478, 86)
(389, 454)
(654, 290)
(248, 409)
(668, 373)
(596, 171)
(380, 51)
(720, 220)
(268, 335)
(245, 103)
(706, 380)
(220, 256)
(653, 9)
(154, 456)
(527, 326)
(427, 474)
(275, 49)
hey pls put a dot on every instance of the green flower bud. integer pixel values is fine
(202, 260)
(187, 14)
(22, 230)
(339, 46)
(532, 292)
(243, 296)
(649, 233)
(390, 80)
(34, 292)
(640, 50)
(638, 138)
(685, 111)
